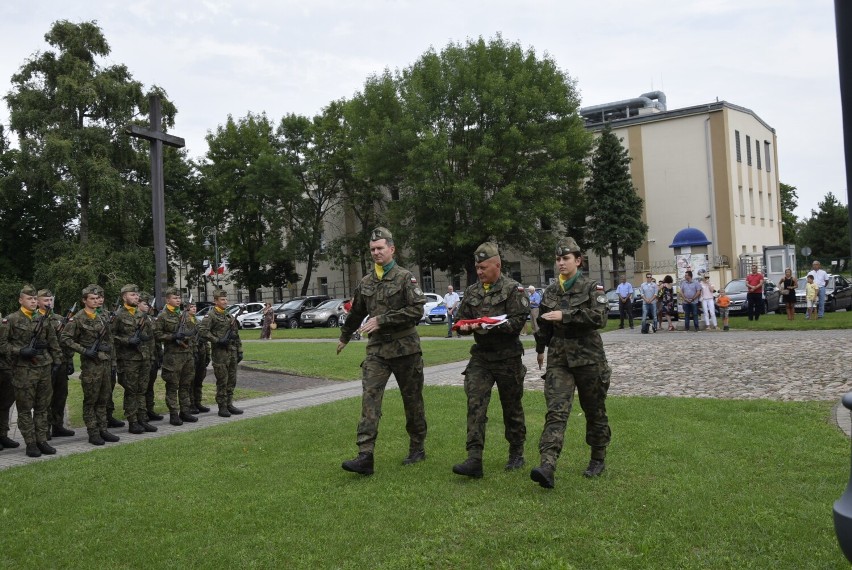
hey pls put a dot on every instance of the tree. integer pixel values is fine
(614, 223)
(789, 221)
(247, 186)
(826, 232)
(494, 150)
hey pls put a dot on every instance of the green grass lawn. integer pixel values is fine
(689, 484)
(774, 322)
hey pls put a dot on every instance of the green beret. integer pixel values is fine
(129, 288)
(28, 290)
(486, 251)
(145, 298)
(171, 291)
(89, 290)
(45, 293)
(566, 246)
(219, 293)
(380, 233)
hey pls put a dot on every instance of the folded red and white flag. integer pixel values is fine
(483, 322)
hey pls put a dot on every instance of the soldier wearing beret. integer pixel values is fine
(7, 393)
(170, 328)
(88, 334)
(495, 358)
(152, 352)
(390, 296)
(572, 311)
(127, 333)
(201, 353)
(59, 379)
(30, 343)
(220, 329)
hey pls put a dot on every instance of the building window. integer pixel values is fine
(737, 140)
(751, 204)
(757, 153)
(760, 203)
(748, 150)
(766, 149)
(742, 205)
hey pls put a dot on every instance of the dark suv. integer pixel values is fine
(289, 313)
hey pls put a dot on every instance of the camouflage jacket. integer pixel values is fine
(397, 302)
(149, 348)
(59, 326)
(576, 337)
(218, 325)
(123, 328)
(502, 298)
(17, 332)
(165, 328)
(82, 332)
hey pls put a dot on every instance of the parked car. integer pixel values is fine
(737, 291)
(437, 315)
(838, 294)
(614, 312)
(432, 301)
(199, 316)
(324, 315)
(242, 310)
(289, 314)
(254, 320)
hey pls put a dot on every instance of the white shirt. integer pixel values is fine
(451, 300)
(820, 277)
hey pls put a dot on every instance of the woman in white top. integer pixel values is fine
(707, 302)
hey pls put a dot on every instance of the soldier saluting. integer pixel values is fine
(220, 328)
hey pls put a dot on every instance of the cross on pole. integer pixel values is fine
(158, 207)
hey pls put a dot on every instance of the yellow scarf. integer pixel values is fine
(131, 310)
(91, 314)
(28, 313)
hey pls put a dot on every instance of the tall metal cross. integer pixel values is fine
(158, 203)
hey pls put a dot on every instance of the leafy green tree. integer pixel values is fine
(826, 232)
(789, 221)
(494, 151)
(614, 223)
(248, 188)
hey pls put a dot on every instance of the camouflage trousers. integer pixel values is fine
(592, 383)
(7, 399)
(198, 380)
(153, 370)
(178, 372)
(225, 369)
(479, 379)
(32, 398)
(133, 377)
(97, 391)
(408, 371)
(59, 381)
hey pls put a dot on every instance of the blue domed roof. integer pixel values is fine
(690, 237)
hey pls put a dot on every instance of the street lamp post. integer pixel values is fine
(208, 231)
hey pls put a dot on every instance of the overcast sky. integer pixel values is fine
(220, 57)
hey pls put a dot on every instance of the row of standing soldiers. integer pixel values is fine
(128, 345)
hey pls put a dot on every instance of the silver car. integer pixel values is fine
(326, 315)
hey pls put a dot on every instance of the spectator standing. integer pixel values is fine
(707, 303)
(268, 318)
(648, 290)
(690, 292)
(625, 301)
(820, 280)
(788, 293)
(451, 300)
(754, 297)
(723, 302)
(667, 300)
(811, 294)
(535, 302)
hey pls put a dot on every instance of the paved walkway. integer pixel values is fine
(786, 366)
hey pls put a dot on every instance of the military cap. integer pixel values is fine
(486, 251)
(219, 293)
(380, 233)
(28, 290)
(171, 291)
(130, 288)
(45, 293)
(91, 290)
(145, 298)
(566, 246)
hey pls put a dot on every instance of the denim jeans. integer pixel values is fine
(821, 297)
(690, 311)
(652, 309)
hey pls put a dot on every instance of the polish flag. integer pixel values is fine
(222, 268)
(209, 271)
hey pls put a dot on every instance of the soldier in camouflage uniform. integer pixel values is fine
(152, 351)
(88, 334)
(390, 296)
(126, 332)
(495, 358)
(59, 379)
(572, 311)
(172, 330)
(220, 329)
(29, 342)
(201, 352)
(7, 394)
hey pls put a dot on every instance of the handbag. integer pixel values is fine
(273, 326)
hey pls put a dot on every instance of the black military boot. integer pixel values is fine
(61, 431)
(187, 417)
(595, 468)
(223, 411)
(114, 423)
(543, 475)
(154, 416)
(109, 437)
(193, 409)
(202, 409)
(175, 420)
(33, 450)
(415, 456)
(46, 448)
(516, 459)
(234, 410)
(135, 428)
(362, 464)
(472, 467)
(147, 427)
(96, 439)
(8, 443)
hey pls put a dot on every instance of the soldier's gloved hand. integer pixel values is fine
(134, 341)
(179, 336)
(41, 345)
(29, 352)
(240, 356)
(54, 370)
(144, 337)
(223, 342)
(113, 374)
(91, 353)
(105, 347)
(69, 368)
